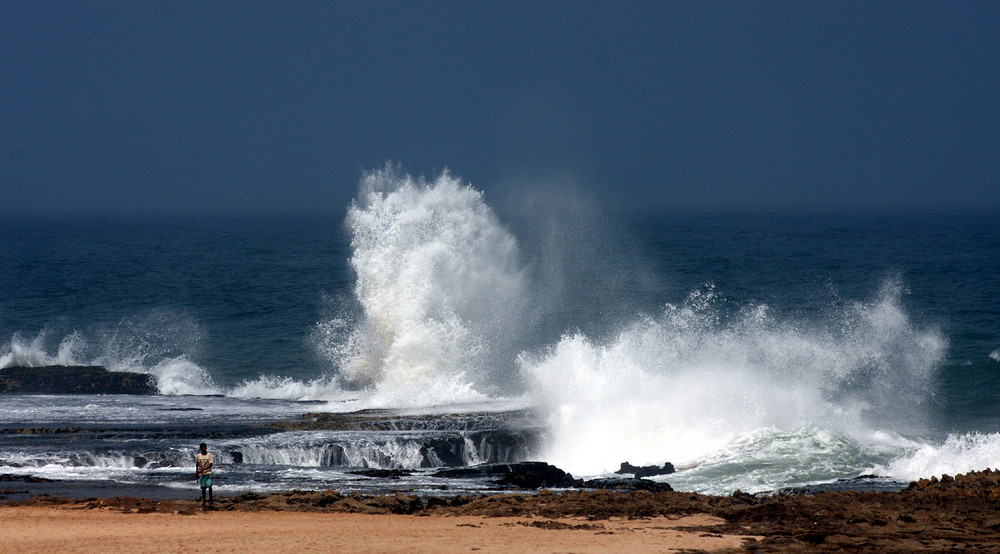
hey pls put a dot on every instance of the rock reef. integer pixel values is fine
(58, 379)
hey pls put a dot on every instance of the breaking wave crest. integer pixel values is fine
(23, 352)
(688, 383)
(959, 453)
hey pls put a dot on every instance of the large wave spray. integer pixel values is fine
(694, 383)
(441, 292)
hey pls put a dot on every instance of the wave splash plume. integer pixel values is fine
(441, 293)
(694, 382)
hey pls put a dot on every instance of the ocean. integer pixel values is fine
(752, 351)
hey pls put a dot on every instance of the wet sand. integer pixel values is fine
(960, 513)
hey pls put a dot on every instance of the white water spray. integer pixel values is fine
(441, 288)
(686, 385)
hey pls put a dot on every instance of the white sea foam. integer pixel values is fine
(181, 376)
(958, 454)
(32, 353)
(688, 383)
(286, 388)
(995, 355)
(769, 458)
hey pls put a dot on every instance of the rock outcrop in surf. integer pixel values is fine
(645, 471)
(540, 475)
(59, 379)
(521, 475)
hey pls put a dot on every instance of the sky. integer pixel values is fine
(221, 107)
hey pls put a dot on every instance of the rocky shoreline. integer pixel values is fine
(949, 513)
(960, 512)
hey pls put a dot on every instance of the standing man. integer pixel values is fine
(203, 472)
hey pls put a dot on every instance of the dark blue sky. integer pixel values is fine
(232, 107)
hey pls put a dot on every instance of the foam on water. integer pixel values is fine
(693, 382)
(958, 454)
(286, 388)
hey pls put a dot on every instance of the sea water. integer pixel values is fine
(753, 351)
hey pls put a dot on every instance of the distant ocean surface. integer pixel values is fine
(754, 352)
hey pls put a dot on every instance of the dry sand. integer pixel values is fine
(62, 529)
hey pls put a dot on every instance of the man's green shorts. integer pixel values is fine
(206, 481)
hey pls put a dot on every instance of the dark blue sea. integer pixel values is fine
(753, 351)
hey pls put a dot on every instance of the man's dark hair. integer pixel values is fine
(202, 445)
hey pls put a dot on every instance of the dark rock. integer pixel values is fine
(383, 473)
(645, 471)
(328, 498)
(435, 502)
(860, 483)
(745, 498)
(25, 478)
(522, 475)
(625, 485)
(504, 446)
(249, 497)
(397, 504)
(447, 451)
(154, 461)
(461, 500)
(237, 457)
(74, 380)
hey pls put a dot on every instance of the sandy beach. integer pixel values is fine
(41, 529)
(949, 513)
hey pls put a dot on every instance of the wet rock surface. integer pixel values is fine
(930, 515)
(6, 477)
(383, 473)
(59, 379)
(624, 485)
(645, 471)
(522, 475)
